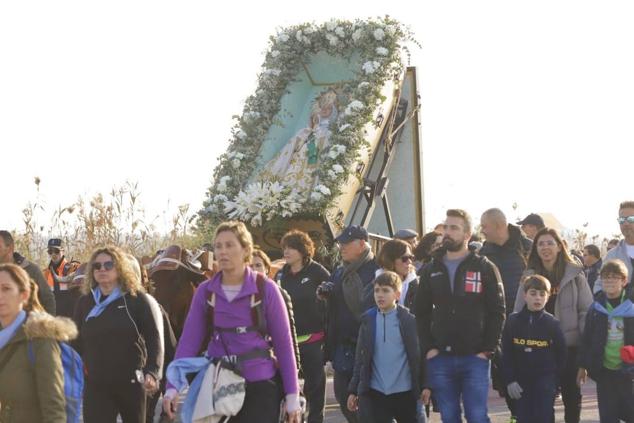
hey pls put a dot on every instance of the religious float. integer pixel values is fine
(329, 138)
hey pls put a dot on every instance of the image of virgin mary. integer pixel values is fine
(296, 162)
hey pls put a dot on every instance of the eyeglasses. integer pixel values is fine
(628, 219)
(613, 278)
(52, 251)
(407, 258)
(107, 265)
(549, 243)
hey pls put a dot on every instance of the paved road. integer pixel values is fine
(497, 407)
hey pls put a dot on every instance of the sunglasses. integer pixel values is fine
(628, 219)
(107, 265)
(52, 251)
(407, 258)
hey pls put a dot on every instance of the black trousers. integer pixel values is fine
(261, 402)
(340, 382)
(537, 404)
(312, 357)
(615, 396)
(570, 392)
(103, 401)
(376, 407)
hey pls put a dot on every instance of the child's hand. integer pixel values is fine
(353, 402)
(425, 396)
(582, 374)
(515, 390)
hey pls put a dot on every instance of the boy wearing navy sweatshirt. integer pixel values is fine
(610, 328)
(533, 354)
(386, 383)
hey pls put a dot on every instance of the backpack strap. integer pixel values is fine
(257, 305)
(30, 352)
(257, 312)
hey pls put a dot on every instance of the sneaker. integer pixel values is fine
(513, 419)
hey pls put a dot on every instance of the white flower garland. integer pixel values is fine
(380, 42)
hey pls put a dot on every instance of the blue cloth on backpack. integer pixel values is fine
(7, 333)
(100, 306)
(73, 368)
(177, 373)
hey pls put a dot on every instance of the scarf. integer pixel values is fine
(353, 285)
(625, 309)
(177, 373)
(100, 306)
(7, 333)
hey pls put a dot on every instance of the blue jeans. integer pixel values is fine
(453, 377)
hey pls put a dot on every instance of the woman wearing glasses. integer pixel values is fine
(396, 256)
(118, 340)
(300, 277)
(569, 301)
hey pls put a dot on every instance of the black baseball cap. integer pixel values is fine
(351, 233)
(55, 243)
(532, 219)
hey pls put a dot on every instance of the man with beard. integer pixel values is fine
(459, 311)
(8, 255)
(349, 294)
(66, 294)
(624, 250)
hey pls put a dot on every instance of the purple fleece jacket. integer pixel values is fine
(238, 313)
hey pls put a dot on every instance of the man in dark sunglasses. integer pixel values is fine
(624, 250)
(65, 297)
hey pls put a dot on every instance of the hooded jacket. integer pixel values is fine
(571, 305)
(34, 392)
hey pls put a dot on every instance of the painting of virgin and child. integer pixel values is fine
(294, 165)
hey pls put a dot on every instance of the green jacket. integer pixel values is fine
(34, 392)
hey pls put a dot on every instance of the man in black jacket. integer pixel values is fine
(459, 313)
(349, 294)
(8, 255)
(508, 249)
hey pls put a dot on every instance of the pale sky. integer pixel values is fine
(527, 102)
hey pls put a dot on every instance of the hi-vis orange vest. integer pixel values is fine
(63, 269)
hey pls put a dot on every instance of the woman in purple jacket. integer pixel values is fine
(233, 286)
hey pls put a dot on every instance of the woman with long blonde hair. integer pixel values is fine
(118, 340)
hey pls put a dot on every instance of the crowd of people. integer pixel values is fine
(424, 326)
